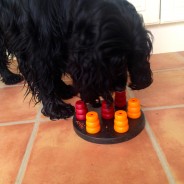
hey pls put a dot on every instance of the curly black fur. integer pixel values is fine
(97, 42)
(6, 76)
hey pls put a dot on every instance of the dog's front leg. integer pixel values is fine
(53, 105)
(5, 74)
(55, 108)
(45, 84)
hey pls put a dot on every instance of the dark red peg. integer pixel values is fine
(120, 99)
(107, 111)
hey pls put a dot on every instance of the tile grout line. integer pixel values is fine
(17, 123)
(157, 148)
(28, 150)
(163, 107)
(168, 69)
(12, 86)
(25, 122)
(161, 156)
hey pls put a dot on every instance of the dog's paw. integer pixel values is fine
(12, 79)
(68, 92)
(59, 110)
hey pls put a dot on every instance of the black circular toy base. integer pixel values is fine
(107, 135)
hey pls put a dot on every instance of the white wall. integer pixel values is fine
(167, 37)
(159, 16)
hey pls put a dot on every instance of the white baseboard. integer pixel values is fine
(167, 37)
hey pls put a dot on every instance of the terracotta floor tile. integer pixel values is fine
(168, 126)
(14, 66)
(60, 156)
(167, 61)
(67, 78)
(2, 85)
(13, 142)
(167, 89)
(13, 106)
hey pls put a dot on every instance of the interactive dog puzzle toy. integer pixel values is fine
(121, 122)
(134, 108)
(92, 123)
(80, 110)
(107, 112)
(109, 124)
(120, 99)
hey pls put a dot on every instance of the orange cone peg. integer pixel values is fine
(92, 123)
(134, 108)
(121, 122)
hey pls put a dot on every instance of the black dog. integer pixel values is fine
(7, 76)
(95, 41)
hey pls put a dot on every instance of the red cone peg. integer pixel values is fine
(80, 110)
(120, 99)
(107, 112)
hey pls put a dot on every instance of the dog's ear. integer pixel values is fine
(139, 55)
(140, 75)
(136, 45)
(138, 60)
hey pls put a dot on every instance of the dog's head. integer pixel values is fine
(107, 40)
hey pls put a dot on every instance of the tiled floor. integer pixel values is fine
(34, 150)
